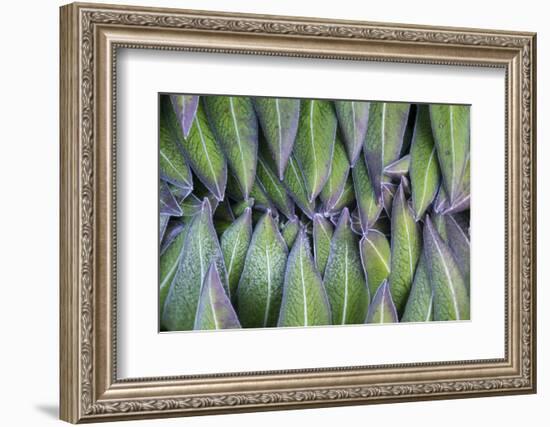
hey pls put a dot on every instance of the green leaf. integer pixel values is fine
(274, 189)
(419, 307)
(173, 167)
(305, 301)
(375, 258)
(167, 203)
(290, 230)
(451, 131)
(367, 203)
(201, 247)
(279, 121)
(163, 223)
(398, 168)
(294, 183)
(344, 280)
(458, 241)
(260, 289)
(322, 235)
(346, 198)
(353, 117)
(168, 265)
(334, 187)
(424, 171)
(406, 245)
(257, 193)
(385, 131)
(205, 156)
(315, 143)
(214, 310)
(235, 126)
(239, 207)
(388, 193)
(382, 309)
(185, 108)
(234, 244)
(451, 301)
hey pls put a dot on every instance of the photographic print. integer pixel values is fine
(281, 212)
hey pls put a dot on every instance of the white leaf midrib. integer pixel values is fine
(239, 142)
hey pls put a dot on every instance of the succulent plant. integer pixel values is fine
(306, 212)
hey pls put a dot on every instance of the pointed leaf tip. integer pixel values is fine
(382, 308)
(214, 309)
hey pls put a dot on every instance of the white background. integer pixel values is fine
(141, 347)
(29, 170)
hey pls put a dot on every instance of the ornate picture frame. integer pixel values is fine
(90, 37)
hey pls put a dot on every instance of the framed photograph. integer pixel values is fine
(267, 212)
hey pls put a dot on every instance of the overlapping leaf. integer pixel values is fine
(406, 244)
(419, 306)
(205, 156)
(214, 310)
(279, 121)
(235, 126)
(376, 258)
(314, 144)
(424, 169)
(450, 299)
(322, 236)
(305, 301)
(384, 139)
(382, 308)
(201, 247)
(344, 279)
(172, 163)
(451, 131)
(353, 117)
(234, 245)
(260, 288)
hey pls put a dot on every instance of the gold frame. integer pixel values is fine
(90, 36)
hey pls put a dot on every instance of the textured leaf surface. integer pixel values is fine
(201, 247)
(406, 245)
(315, 143)
(344, 279)
(353, 117)
(290, 230)
(451, 300)
(235, 126)
(305, 301)
(260, 289)
(332, 191)
(451, 131)
(214, 310)
(346, 198)
(185, 108)
(376, 258)
(459, 242)
(382, 309)
(368, 206)
(424, 171)
(278, 118)
(398, 168)
(419, 306)
(234, 244)
(168, 265)
(205, 156)
(322, 235)
(274, 189)
(167, 203)
(163, 223)
(386, 128)
(173, 166)
(294, 183)
(173, 229)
